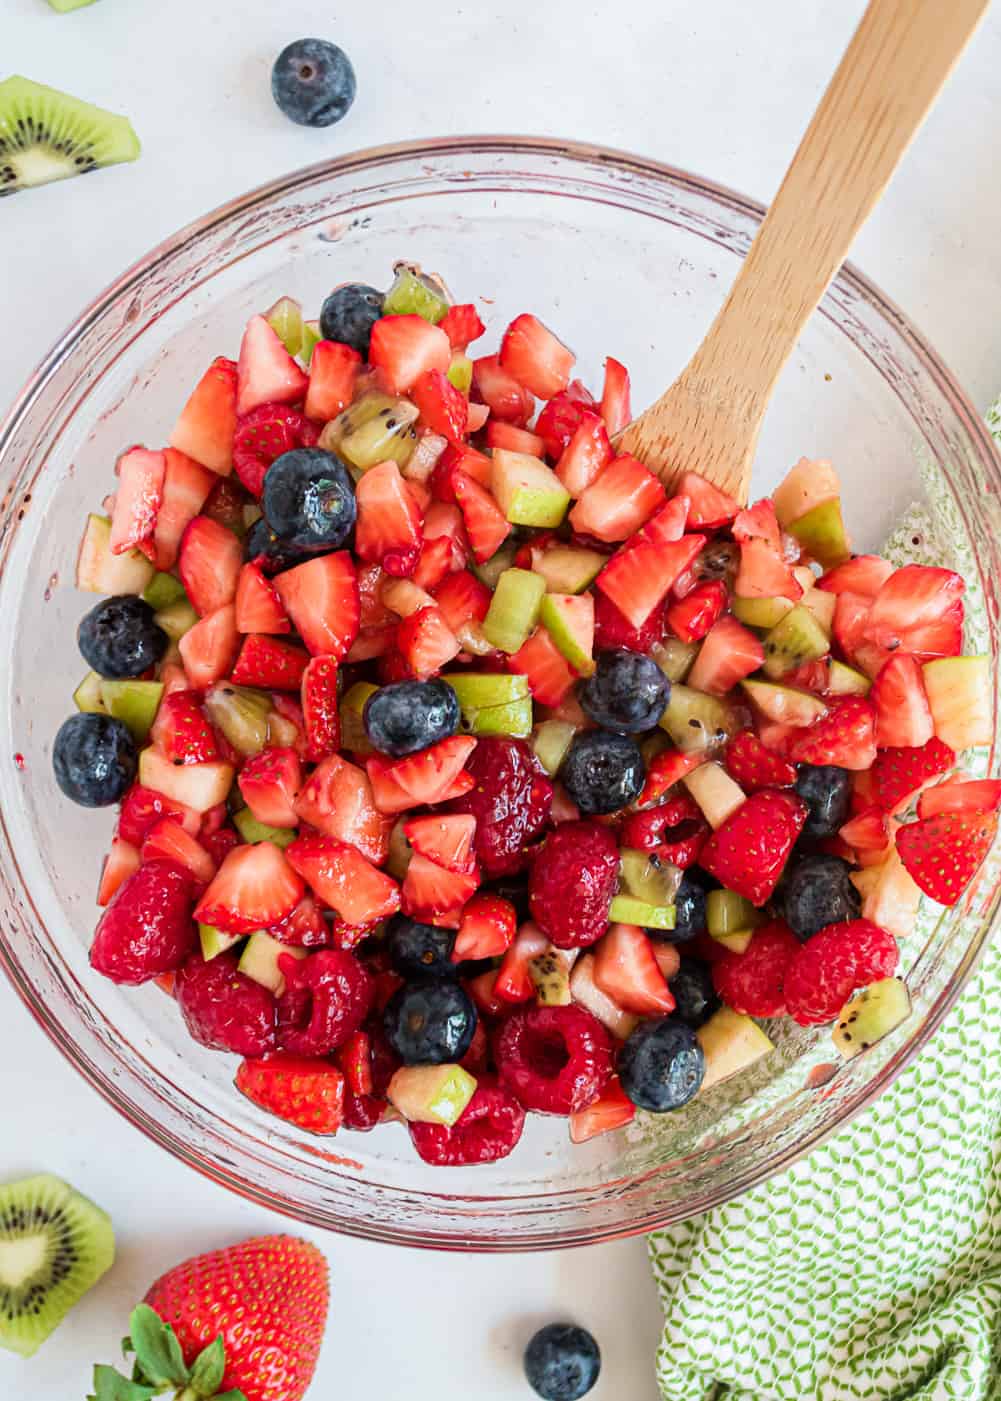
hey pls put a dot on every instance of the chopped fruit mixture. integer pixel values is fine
(465, 773)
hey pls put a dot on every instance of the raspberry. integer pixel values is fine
(572, 883)
(147, 929)
(676, 831)
(488, 1130)
(613, 629)
(327, 997)
(836, 961)
(223, 1008)
(511, 802)
(265, 434)
(753, 982)
(556, 1060)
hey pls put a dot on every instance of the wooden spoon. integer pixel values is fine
(708, 420)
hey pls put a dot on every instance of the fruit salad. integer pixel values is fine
(466, 771)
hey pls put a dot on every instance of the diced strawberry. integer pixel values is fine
(121, 861)
(612, 629)
(638, 577)
(209, 563)
(443, 408)
(434, 563)
(903, 716)
(729, 653)
(487, 928)
(220, 843)
(430, 891)
(748, 853)
(337, 800)
(753, 766)
(304, 928)
(207, 423)
(764, 573)
(225, 503)
(287, 724)
(168, 841)
(898, 775)
(535, 357)
(587, 453)
(306, 1092)
(405, 347)
(426, 642)
(320, 708)
(333, 373)
(372, 642)
(137, 501)
(626, 971)
(513, 439)
(444, 838)
(478, 415)
(254, 888)
(664, 771)
(501, 392)
(258, 607)
(942, 854)
(513, 982)
(918, 610)
(462, 324)
(186, 488)
(373, 613)
(668, 524)
(615, 405)
(389, 529)
(866, 831)
(611, 1110)
(421, 779)
(550, 675)
(270, 663)
(209, 649)
(270, 782)
(265, 434)
(486, 524)
(181, 732)
(693, 616)
(265, 371)
(850, 615)
(960, 795)
(758, 522)
(813, 676)
(709, 507)
(143, 808)
(618, 502)
(321, 598)
(464, 458)
(462, 598)
(343, 879)
(845, 736)
(481, 990)
(864, 575)
(355, 1061)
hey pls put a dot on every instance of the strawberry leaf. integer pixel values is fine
(208, 1369)
(110, 1385)
(234, 1395)
(157, 1350)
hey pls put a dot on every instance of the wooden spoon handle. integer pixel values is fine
(898, 59)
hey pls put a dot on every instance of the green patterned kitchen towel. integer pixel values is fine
(870, 1271)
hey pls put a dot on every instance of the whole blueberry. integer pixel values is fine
(602, 771)
(661, 1065)
(827, 792)
(119, 638)
(94, 758)
(349, 314)
(268, 552)
(689, 911)
(562, 1362)
(313, 82)
(816, 891)
(309, 500)
(408, 716)
(695, 997)
(430, 1022)
(417, 950)
(627, 692)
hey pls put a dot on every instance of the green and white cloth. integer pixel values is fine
(870, 1271)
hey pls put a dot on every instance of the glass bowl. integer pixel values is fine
(624, 257)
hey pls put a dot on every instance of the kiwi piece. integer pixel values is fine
(54, 1245)
(163, 590)
(375, 428)
(737, 942)
(48, 135)
(568, 568)
(285, 319)
(698, 722)
(514, 609)
(821, 532)
(760, 612)
(460, 372)
(400, 851)
(311, 336)
(415, 293)
(674, 657)
(646, 877)
(846, 681)
(87, 696)
(550, 975)
(727, 912)
(253, 831)
(215, 941)
(797, 638)
(177, 618)
(513, 719)
(259, 960)
(242, 714)
(870, 1016)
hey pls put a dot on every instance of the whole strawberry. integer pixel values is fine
(240, 1324)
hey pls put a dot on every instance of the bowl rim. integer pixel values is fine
(365, 158)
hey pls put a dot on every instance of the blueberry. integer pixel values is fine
(313, 82)
(562, 1362)
(602, 771)
(410, 715)
(309, 500)
(417, 950)
(816, 891)
(627, 692)
(266, 550)
(694, 993)
(661, 1065)
(349, 314)
(689, 911)
(827, 792)
(119, 638)
(94, 758)
(430, 1023)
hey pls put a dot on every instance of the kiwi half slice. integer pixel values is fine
(54, 1246)
(48, 135)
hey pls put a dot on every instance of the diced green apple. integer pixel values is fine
(460, 372)
(821, 532)
(843, 680)
(527, 491)
(352, 708)
(285, 319)
(514, 609)
(87, 696)
(626, 909)
(806, 485)
(785, 704)
(822, 605)
(715, 791)
(491, 569)
(215, 941)
(135, 703)
(727, 912)
(585, 991)
(162, 591)
(259, 961)
(674, 657)
(431, 1094)
(730, 1042)
(311, 335)
(569, 620)
(568, 568)
(198, 786)
(737, 942)
(959, 694)
(99, 571)
(176, 619)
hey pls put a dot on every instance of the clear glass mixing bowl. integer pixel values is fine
(623, 257)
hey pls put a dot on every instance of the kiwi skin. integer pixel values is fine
(48, 135)
(54, 1246)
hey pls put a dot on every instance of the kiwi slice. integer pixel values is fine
(727, 912)
(177, 618)
(54, 1246)
(797, 638)
(760, 612)
(241, 712)
(870, 1016)
(415, 293)
(87, 696)
(48, 135)
(628, 909)
(135, 703)
(460, 372)
(696, 721)
(163, 590)
(644, 876)
(253, 831)
(551, 742)
(375, 428)
(311, 335)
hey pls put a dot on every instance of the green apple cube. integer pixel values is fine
(99, 571)
(514, 719)
(821, 532)
(253, 831)
(285, 319)
(527, 491)
(311, 335)
(460, 372)
(87, 696)
(675, 657)
(569, 620)
(135, 703)
(352, 709)
(551, 742)
(491, 569)
(786, 704)
(162, 591)
(730, 1042)
(568, 568)
(760, 612)
(822, 605)
(176, 619)
(215, 941)
(959, 695)
(65, 6)
(198, 786)
(478, 690)
(715, 791)
(626, 909)
(259, 961)
(431, 1094)
(514, 609)
(737, 942)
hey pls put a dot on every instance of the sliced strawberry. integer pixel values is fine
(426, 642)
(550, 675)
(959, 795)
(845, 736)
(513, 982)
(270, 663)
(666, 525)
(270, 782)
(729, 653)
(389, 529)
(903, 716)
(866, 831)
(664, 771)
(265, 371)
(225, 504)
(753, 766)
(749, 851)
(478, 415)
(263, 435)
(864, 575)
(333, 373)
(304, 928)
(446, 839)
(513, 439)
(373, 612)
(942, 854)
(638, 578)
(462, 324)
(501, 392)
(254, 888)
(481, 990)
(615, 405)
(287, 725)
(258, 607)
(462, 598)
(209, 649)
(434, 563)
(587, 453)
(693, 616)
(813, 676)
(487, 928)
(308, 1093)
(121, 862)
(220, 843)
(430, 891)
(918, 610)
(461, 457)
(611, 1110)
(615, 505)
(143, 808)
(898, 775)
(764, 573)
(355, 1061)
(344, 879)
(186, 488)
(709, 507)
(443, 408)
(207, 423)
(612, 629)
(626, 971)
(320, 708)
(486, 524)
(181, 732)
(851, 612)
(321, 598)
(535, 357)
(337, 800)
(209, 563)
(758, 522)
(405, 347)
(427, 775)
(137, 501)
(168, 841)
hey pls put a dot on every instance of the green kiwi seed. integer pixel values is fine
(54, 1246)
(48, 135)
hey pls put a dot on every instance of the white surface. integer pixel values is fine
(724, 88)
